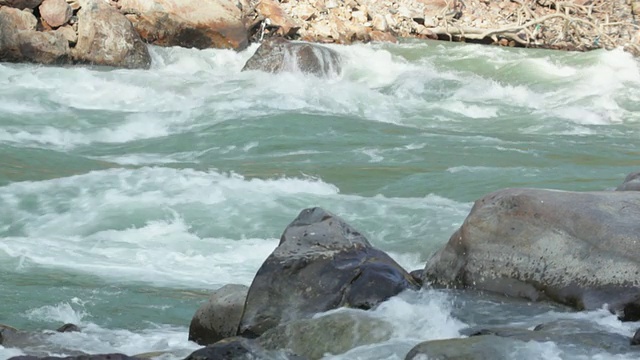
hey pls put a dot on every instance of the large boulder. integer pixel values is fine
(219, 317)
(321, 263)
(630, 183)
(106, 37)
(20, 42)
(577, 248)
(277, 55)
(188, 23)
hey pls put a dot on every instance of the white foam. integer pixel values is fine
(60, 313)
(130, 224)
(425, 315)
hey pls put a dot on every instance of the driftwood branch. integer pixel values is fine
(578, 26)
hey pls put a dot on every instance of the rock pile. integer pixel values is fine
(67, 32)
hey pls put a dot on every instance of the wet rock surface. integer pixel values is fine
(277, 55)
(574, 248)
(219, 317)
(321, 263)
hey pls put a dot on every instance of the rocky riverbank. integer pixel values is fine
(113, 32)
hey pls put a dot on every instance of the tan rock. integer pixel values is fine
(68, 33)
(189, 23)
(380, 23)
(55, 12)
(17, 19)
(20, 42)
(380, 36)
(75, 5)
(21, 4)
(106, 37)
(359, 17)
(304, 11)
(271, 10)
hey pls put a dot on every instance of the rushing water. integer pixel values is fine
(126, 196)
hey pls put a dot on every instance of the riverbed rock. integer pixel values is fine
(321, 263)
(276, 55)
(576, 248)
(197, 24)
(630, 183)
(55, 12)
(20, 42)
(335, 333)
(239, 348)
(472, 348)
(106, 37)
(21, 4)
(219, 317)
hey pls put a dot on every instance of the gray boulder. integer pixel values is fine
(106, 37)
(577, 248)
(20, 42)
(630, 183)
(219, 317)
(276, 55)
(334, 333)
(321, 263)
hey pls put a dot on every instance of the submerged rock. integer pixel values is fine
(198, 24)
(68, 328)
(473, 348)
(276, 55)
(219, 317)
(238, 348)
(630, 183)
(321, 263)
(333, 333)
(578, 249)
(106, 37)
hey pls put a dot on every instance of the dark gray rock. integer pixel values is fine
(635, 340)
(238, 348)
(418, 276)
(219, 317)
(335, 333)
(68, 328)
(321, 263)
(277, 55)
(575, 248)
(630, 183)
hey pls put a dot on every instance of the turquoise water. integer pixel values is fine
(127, 195)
